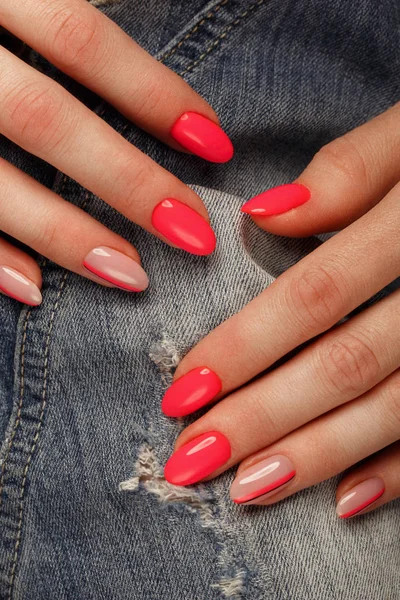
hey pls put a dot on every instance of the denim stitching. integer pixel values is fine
(222, 36)
(194, 30)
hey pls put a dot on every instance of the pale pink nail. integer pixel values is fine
(116, 268)
(267, 476)
(360, 497)
(19, 287)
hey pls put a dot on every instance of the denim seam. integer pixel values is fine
(223, 35)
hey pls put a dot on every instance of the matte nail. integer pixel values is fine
(278, 200)
(116, 268)
(202, 137)
(198, 459)
(184, 227)
(190, 392)
(266, 476)
(19, 287)
(360, 497)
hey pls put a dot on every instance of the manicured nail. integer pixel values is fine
(190, 392)
(278, 200)
(202, 137)
(360, 497)
(266, 476)
(198, 458)
(116, 268)
(19, 287)
(184, 227)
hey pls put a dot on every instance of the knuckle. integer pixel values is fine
(315, 299)
(45, 238)
(393, 400)
(152, 101)
(348, 163)
(349, 364)
(132, 179)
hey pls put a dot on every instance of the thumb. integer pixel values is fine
(345, 179)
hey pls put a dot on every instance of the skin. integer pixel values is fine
(337, 402)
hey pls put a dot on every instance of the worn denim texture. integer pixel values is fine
(85, 513)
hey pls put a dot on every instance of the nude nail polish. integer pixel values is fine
(202, 137)
(263, 478)
(184, 227)
(190, 392)
(116, 268)
(277, 200)
(360, 497)
(19, 287)
(198, 458)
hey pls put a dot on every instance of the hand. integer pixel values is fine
(337, 401)
(40, 116)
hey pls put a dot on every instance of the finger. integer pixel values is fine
(39, 115)
(323, 448)
(20, 276)
(334, 370)
(85, 44)
(345, 179)
(57, 229)
(369, 486)
(306, 300)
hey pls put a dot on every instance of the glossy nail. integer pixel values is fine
(278, 200)
(202, 137)
(360, 497)
(265, 477)
(198, 459)
(190, 392)
(19, 287)
(184, 227)
(116, 268)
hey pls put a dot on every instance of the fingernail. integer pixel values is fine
(278, 200)
(19, 287)
(360, 497)
(116, 268)
(184, 227)
(202, 137)
(190, 392)
(266, 476)
(197, 459)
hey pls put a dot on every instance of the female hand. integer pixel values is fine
(40, 116)
(337, 401)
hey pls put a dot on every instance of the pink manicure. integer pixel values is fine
(360, 497)
(265, 477)
(116, 268)
(278, 200)
(202, 137)
(19, 287)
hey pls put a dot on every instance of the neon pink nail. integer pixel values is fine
(19, 287)
(360, 497)
(190, 392)
(278, 200)
(116, 268)
(265, 477)
(202, 137)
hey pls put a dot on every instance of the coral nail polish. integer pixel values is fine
(266, 476)
(190, 392)
(278, 200)
(360, 497)
(202, 137)
(184, 227)
(19, 287)
(116, 268)
(198, 458)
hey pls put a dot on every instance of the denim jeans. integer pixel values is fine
(85, 513)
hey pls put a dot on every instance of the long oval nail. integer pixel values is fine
(360, 497)
(116, 268)
(278, 200)
(19, 287)
(202, 137)
(190, 392)
(184, 227)
(198, 458)
(265, 477)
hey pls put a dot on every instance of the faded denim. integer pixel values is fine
(85, 513)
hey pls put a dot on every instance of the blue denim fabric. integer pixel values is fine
(85, 513)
